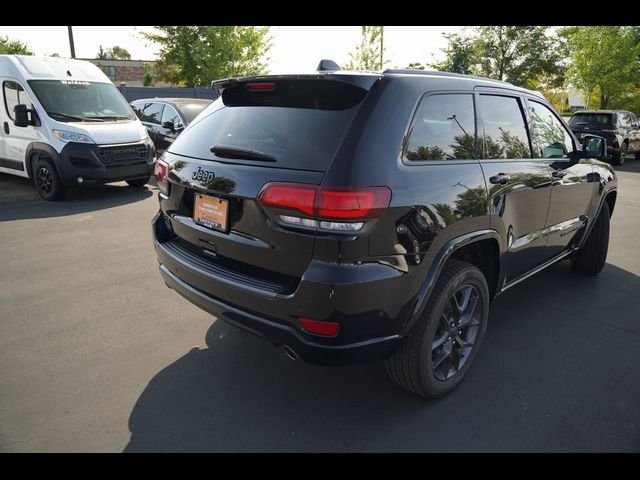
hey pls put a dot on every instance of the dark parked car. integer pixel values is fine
(165, 118)
(349, 217)
(620, 128)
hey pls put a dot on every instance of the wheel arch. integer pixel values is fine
(480, 248)
(34, 151)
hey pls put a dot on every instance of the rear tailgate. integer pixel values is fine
(273, 130)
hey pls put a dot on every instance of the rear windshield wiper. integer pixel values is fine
(241, 153)
(74, 117)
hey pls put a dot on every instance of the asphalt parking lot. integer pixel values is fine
(96, 354)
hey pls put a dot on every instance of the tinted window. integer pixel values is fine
(14, 95)
(152, 113)
(169, 114)
(443, 129)
(549, 137)
(191, 110)
(299, 122)
(505, 134)
(591, 120)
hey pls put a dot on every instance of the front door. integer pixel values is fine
(573, 181)
(519, 186)
(13, 140)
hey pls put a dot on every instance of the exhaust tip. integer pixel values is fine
(289, 352)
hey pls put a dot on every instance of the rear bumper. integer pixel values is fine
(82, 160)
(368, 331)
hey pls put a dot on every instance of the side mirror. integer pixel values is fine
(21, 115)
(169, 124)
(594, 146)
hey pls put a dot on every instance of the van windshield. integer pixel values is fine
(80, 101)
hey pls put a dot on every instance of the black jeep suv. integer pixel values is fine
(349, 217)
(620, 128)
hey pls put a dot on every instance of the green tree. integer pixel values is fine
(605, 58)
(196, 55)
(8, 46)
(148, 80)
(527, 56)
(114, 53)
(415, 66)
(461, 55)
(369, 54)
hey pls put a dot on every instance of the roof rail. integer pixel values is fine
(407, 71)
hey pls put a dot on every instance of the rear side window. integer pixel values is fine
(505, 134)
(549, 137)
(14, 95)
(443, 129)
(592, 120)
(152, 113)
(301, 123)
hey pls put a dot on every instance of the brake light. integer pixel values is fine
(261, 87)
(161, 174)
(325, 204)
(327, 329)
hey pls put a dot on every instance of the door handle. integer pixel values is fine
(501, 178)
(558, 173)
(6, 128)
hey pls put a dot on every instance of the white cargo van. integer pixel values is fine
(64, 124)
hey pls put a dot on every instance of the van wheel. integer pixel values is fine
(47, 181)
(139, 182)
(438, 353)
(636, 155)
(619, 158)
(591, 257)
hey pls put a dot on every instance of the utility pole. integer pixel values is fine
(381, 45)
(73, 48)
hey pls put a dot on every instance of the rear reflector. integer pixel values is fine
(327, 329)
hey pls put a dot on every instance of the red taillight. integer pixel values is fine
(261, 87)
(356, 203)
(291, 196)
(323, 202)
(327, 329)
(161, 174)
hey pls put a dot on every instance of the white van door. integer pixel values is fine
(14, 140)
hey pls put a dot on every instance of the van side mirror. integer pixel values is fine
(21, 115)
(594, 146)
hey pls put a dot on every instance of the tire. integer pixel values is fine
(622, 154)
(636, 155)
(138, 182)
(591, 257)
(412, 365)
(47, 181)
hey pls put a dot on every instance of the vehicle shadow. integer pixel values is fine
(540, 383)
(19, 199)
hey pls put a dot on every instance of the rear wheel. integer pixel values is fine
(47, 181)
(591, 257)
(139, 182)
(620, 157)
(636, 155)
(437, 355)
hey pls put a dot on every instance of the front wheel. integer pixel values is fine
(591, 257)
(139, 182)
(437, 355)
(622, 154)
(47, 181)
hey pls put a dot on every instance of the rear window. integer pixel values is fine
(301, 123)
(593, 120)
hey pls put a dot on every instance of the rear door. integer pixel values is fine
(573, 186)
(286, 130)
(519, 185)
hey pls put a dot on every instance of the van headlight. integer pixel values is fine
(72, 137)
(144, 135)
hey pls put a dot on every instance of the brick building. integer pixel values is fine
(130, 72)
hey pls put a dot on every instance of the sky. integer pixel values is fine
(294, 49)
